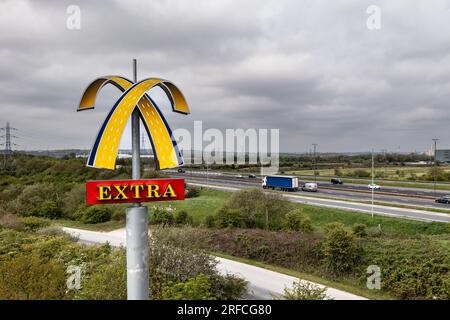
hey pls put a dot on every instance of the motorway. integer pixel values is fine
(263, 284)
(349, 197)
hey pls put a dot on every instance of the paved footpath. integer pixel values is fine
(262, 283)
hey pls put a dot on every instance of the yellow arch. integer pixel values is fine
(106, 146)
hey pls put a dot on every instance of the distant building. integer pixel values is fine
(443, 155)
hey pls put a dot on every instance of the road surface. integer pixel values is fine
(263, 284)
(308, 198)
(422, 198)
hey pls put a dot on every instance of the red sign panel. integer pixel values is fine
(123, 191)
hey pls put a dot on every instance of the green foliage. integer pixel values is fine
(297, 220)
(96, 214)
(25, 277)
(34, 223)
(303, 290)
(361, 173)
(118, 215)
(161, 216)
(340, 249)
(230, 218)
(192, 192)
(38, 199)
(197, 288)
(252, 208)
(47, 209)
(107, 282)
(359, 230)
(10, 221)
(182, 217)
(210, 221)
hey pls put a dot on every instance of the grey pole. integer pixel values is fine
(434, 166)
(137, 223)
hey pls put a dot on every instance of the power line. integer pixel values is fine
(8, 149)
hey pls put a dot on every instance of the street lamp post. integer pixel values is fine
(434, 166)
(373, 186)
(314, 162)
(136, 222)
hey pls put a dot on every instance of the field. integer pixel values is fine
(402, 173)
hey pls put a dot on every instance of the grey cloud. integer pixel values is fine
(310, 68)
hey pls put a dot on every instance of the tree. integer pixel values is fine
(340, 248)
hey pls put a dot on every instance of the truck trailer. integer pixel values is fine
(284, 183)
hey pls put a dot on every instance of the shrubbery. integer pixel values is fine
(34, 223)
(197, 288)
(96, 214)
(26, 277)
(303, 290)
(297, 220)
(340, 249)
(253, 208)
(164, 217)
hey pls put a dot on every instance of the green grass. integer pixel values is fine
(343, 285)
(208, 202)
(320, 216)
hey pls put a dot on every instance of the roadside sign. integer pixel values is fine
(126, 191)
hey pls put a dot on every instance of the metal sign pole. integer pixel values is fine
(137, 223)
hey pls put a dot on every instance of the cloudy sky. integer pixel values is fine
(310, 68)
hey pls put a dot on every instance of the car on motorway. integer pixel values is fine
(443, 199)
(336, 181)
(181, 170)
(310, 186)
(252, 176)
(240, 176)
(373, 186)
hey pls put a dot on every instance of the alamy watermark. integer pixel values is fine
(251, 146)
(374, 278)
(373, 22)
(74, 277)
(73, 21)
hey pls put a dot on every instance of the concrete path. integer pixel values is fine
(263, 284)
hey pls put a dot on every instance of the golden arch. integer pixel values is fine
(106, 146)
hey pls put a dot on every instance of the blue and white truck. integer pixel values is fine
(284, 183)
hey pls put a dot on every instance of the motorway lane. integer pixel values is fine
(323, 192)
(344, 187)
(263, 284)
(308, 198)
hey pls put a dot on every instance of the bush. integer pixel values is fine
(359, 230)
(27, 277)
(340, 249)
(107, 282)
(34, 223)
(230, 218)
(182, 217)
(72, 200)
(96, 215)
(210, 221)
(303, 290)
(192, 192)
(31, 200)
(47, 209)
(197, 288)
(162, 217)
(11, 221)
(119, 215)
(296, 220)
(256, 207)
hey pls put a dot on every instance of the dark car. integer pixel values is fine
(252, 176)
(181, 170)
(336, 181)
(443, 199)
